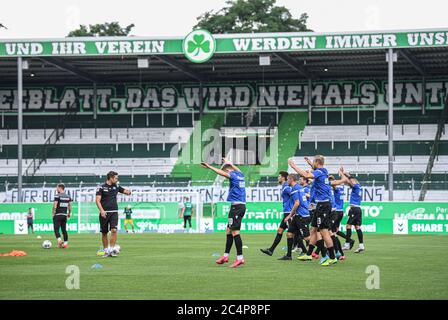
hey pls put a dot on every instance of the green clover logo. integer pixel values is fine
(199, 46)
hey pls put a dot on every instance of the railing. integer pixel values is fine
(434, 152)
(52, 139)
(411, 185)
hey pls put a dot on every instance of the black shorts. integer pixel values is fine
(322, 216)
(187, 218)
(108, 223)
(29, 223)
(299, 226)
(312, 213)
(283, 224)
(336, 218)
(60, 222)
(236, 214)
(355, 216)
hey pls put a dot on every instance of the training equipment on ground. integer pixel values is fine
(46, 244)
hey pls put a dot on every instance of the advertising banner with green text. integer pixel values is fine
(159, 217)
(378, 217)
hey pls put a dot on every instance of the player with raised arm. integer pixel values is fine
(237, 198)
(62, 209)
(106, 201)
(354, 214)
(299, 218)
(285, 194)
(321, 222)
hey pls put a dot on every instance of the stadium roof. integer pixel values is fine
(202, 57)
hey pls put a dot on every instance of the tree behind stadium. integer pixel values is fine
(101, 30)
(243, 16)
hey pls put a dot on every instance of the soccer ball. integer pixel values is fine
(46, 244)
(116, 249)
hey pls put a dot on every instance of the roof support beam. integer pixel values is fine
(181, 67)
(293, 64)
(61, 64)
(414, 62)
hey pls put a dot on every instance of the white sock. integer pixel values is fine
(59, 239)
(226, 255)
(239, 257)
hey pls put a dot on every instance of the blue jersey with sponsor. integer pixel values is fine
(339, 197)
(286, 197)
(322, 189)
(356, 195)
(237, 188)
(297, 193)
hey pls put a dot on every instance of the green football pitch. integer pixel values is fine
(182, 266)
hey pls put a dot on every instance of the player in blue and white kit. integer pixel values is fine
(337, 212)
(321, 222)
(354, 214)
(286, 194)
(237, 198)
(299, 218)
(298, 241)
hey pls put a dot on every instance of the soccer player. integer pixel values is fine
(106, 201)
(30, 219)
(299, 218)
(128, 220)
(286, 191)
(187, 212)
(337, 212)
(298, 240)
(62, 209)
(354, 214)
(321, 222)
(237, 198)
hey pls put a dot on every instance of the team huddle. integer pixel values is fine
(313, 204)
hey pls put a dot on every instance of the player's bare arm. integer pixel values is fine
(216, 170)
(182, 212)
(308, 160)
(347, 176)
(293, 210)
(69, 210)
(302, 172)
(100, 207)
(343, 179)
(53, 210)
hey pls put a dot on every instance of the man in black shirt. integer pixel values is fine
(62, 209)
(106, 201)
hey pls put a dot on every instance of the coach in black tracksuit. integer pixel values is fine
(62, 209)
(106, 201)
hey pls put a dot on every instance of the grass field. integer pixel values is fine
(181, 266)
